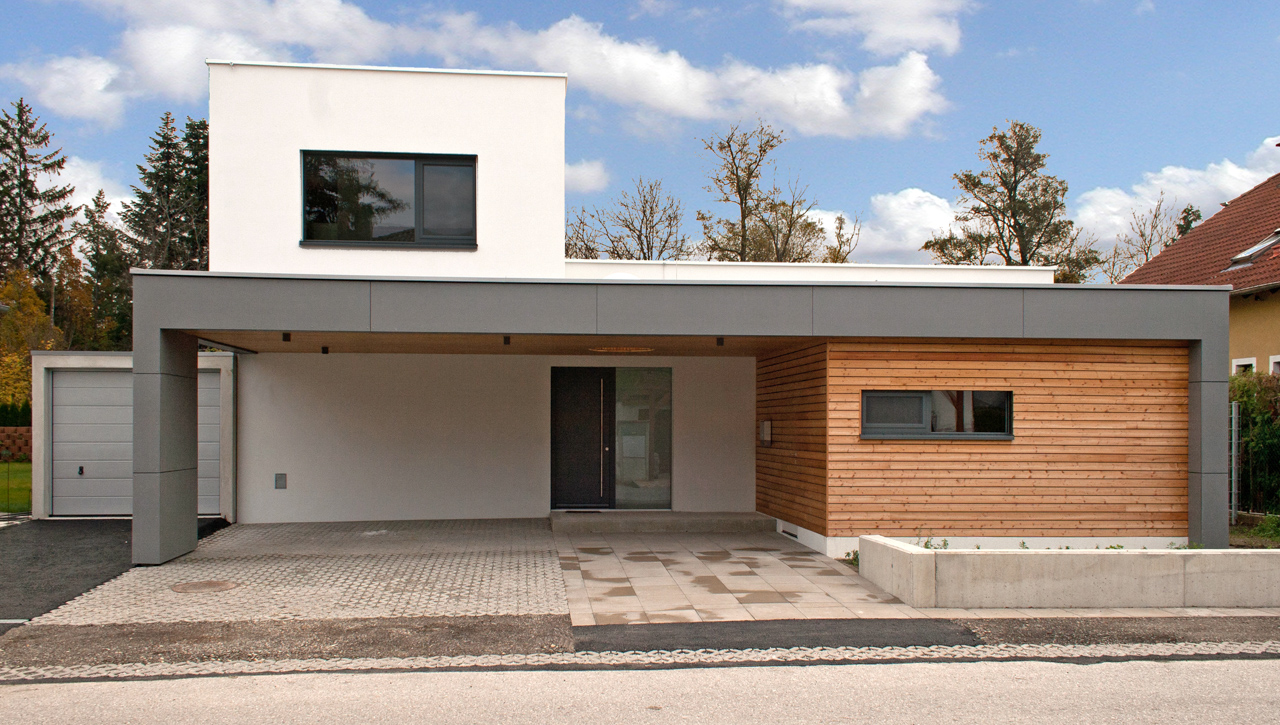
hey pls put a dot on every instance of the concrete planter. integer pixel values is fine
(975, 579)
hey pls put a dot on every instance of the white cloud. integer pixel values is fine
(76, 87)
(586, 176)
(887, 27)
(1106, 211)
(88, 177)
(1144, 7)
(896, 227)
(169, 61)
(813, 99)
(653, 8)
(162, 48)
(164, 45)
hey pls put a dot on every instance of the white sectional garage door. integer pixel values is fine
(93, 442)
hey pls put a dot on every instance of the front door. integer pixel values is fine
(582, 438)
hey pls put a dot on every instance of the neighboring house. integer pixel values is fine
(386, 252)
(1239, 246)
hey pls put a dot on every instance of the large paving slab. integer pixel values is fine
(637, 578)
(339, 571)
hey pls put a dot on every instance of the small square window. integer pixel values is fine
(388, 200)
(937, 414)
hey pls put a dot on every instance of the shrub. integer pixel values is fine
(1259, 397)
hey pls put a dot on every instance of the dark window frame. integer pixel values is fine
(464, 243)
(920, 431)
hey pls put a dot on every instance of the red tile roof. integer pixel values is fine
(1203, 255)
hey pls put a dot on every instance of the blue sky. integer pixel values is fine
(883, 100)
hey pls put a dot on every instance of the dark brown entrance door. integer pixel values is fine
(582, 417)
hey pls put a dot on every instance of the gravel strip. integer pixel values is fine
(677, 658)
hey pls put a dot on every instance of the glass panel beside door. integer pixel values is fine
(610, 438)
(643, 419)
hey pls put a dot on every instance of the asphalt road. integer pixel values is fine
(46, 563)
(1232, 691)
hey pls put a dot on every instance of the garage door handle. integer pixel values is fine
(82, 470)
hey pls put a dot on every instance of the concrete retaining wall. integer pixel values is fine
(975, 579)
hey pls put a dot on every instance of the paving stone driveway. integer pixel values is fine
(340, 571)
(332, 571)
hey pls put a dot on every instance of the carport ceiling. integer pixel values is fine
(457, 344)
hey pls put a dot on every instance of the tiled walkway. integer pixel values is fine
(636, 578)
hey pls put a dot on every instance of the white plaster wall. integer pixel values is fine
(384, 437)
(261, 116)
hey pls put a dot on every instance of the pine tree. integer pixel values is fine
(195, 182)
(34, 212)
(168, 218)
(107, 254)
(1014, 213)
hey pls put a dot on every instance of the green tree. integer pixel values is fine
(646, 224)
(34, 211)
(168, 219)
(1014, 213)
(1189, 217)
(106, 252)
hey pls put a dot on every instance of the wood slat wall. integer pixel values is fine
(791, 474)
(1099, 448)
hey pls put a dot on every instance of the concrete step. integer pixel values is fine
(660, 522)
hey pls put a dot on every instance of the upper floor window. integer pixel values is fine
(388, 200)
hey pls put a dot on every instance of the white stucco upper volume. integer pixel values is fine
(262, 116)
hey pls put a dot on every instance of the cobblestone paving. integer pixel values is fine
(338, 571)
(812, 655)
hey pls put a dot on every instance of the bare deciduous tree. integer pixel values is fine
(645, 224)
(1149, 233)
(784, 230)
(741, 158)
(847, 234)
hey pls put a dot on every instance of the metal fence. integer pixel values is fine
(1254, 464)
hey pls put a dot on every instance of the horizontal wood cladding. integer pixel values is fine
(1099, 447)
(791, 473)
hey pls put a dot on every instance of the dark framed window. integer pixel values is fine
(981, 414)
(388, 200)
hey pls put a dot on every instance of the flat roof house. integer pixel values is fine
(388, 243)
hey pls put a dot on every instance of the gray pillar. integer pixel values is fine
(164, 444)
(1208, 404)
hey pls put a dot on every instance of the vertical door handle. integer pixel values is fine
(602, 437)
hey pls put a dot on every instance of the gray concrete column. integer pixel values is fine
(164, 444)
(1208, 413)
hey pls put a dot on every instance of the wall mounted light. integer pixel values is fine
(766, 433)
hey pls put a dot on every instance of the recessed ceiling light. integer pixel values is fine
(621, 349)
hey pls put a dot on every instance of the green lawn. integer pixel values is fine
(15, 487)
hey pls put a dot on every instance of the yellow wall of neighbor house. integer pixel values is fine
(1255, 329)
